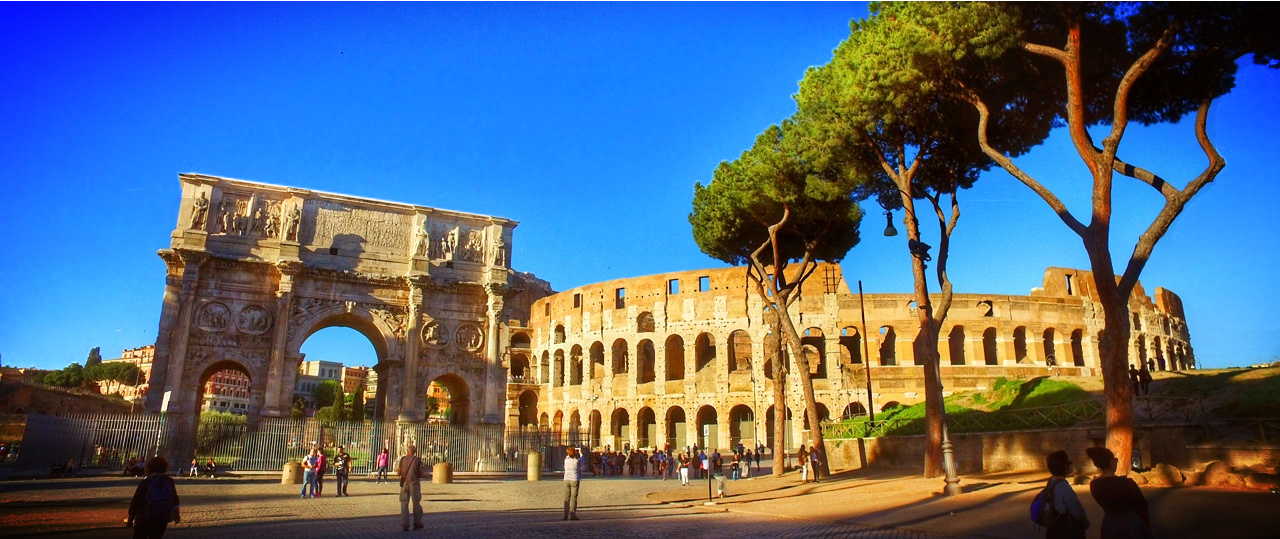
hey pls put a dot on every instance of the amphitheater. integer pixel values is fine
(682, 358)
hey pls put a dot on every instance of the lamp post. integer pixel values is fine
(920, 251)
(866, 353)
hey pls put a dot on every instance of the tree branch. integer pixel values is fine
(1045, 50)
(1120, 108)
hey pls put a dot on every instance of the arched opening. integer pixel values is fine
(675, 358)
(557, 369)
(594, 428)
(597, 361)
(575, 428)
(742, 426)
(854, 409)
(346, 349)
(227, 391)
(559, 334)
(989, 347)
(453, 400)
(739, 351)
(620, 360)
(1077, 348)
(544, 368)
(815, 347)
(644, 322)
(676, 427)
(704, 349)
(955, 345)
(575, 365)
(645, 371)
(557, 424)
(620, 427)
(646, 427)
(770, 421)
(519, 370)
(543, 421)
(850, 346)
(1050, 348)
(708, 427)
(528, 408)
(888, 346)
(1142, 354)
(823, 415)
(1020, 344)
(520, 340)
(1159, 353)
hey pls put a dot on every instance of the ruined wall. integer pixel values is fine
(680, 358)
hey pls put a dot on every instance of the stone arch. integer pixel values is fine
(675, 427)
(823, 415)
(544, 368)
(645, 368)
(557, 423)
(597, 360)
(854, 409)
(575, 428)
(620, 426)
(646, 428)
(770, 421)
(675, 358)
(520, 339)
(888, 346)
(955, 345)
(739, 351)
(380, 334)
(644, 322)
(742, 426)
(989, 340)
(558, 337)
(206, 368)
(575, 365)
(704, 351)
(890, 405)
(1077, 347)
(519, 371)
(850, 346)
(459, 397)
(557, 369)
(544, 421)
(1020, 344)
(593, 428)
(528, 403)
(1050, 347)
(708, 427)
(621, 363)
(1159, 354)
(814, 343)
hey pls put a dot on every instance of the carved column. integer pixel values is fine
(279, 399)
(495, 379)
(409, 408)
(175, 330)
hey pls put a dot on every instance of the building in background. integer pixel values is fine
(227, 391)
(141, 357)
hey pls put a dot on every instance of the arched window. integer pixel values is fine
(955, 344)
(644, 322)
(989, 347)
(675, 358)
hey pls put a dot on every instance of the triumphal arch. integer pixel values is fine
(254, 269)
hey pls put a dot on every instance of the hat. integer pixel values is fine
(1058, 463)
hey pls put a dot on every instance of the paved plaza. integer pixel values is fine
(883, 504)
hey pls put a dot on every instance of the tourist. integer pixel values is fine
(309, 474)
(815, 462)
(736, 471)
(758, 452)
(1144, 376)
(802, 458)
(155, 502)
(411, 471)
(384, 462)
(322, 466)
(1136, 379)
(1073, 521)
(210, 468)
(195, 467)
(342, 469)
(684, 469)
(572, 480)
(1125, 506)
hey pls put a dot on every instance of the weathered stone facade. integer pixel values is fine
(681, 358)
(254, 269)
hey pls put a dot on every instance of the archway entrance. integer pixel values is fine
(676, 429)
(646, 428)
(742, 426)
(528, 408)
(339, 360)
(452, 399)
(770, 431)
(708, 427)
(620, 428)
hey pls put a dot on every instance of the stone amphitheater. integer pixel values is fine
(681, 358)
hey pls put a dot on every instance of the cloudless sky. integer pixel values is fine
(588, 123)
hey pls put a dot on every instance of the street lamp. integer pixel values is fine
(920, 250)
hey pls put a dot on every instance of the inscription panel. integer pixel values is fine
(381, 230)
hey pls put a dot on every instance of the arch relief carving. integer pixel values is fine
(214, 316)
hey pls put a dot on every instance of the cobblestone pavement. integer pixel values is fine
(881, 505)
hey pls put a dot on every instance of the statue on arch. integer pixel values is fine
(199, 209)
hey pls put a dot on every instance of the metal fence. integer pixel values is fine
(107, 442)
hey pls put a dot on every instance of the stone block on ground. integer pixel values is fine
(1215, 474)
(1164, 475)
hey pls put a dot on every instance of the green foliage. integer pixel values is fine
(71, 376)
(1235, 393)
(215, 429)
(114, 372)
(299, 408)
(326, 392)
(433, 406)
(95, 358)
(357, 404)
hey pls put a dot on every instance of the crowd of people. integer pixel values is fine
(669, 463)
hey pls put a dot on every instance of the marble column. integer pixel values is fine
(409, 408)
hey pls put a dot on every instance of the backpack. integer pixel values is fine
(159, 500)
(1043, 513)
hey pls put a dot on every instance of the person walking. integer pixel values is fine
(572, 480)
(155, 502)
(411, 471)
(342, 470)
(1073, 521)
(309, 474)
(384, 462)
(758, 452)
(1126, 508)
(802, 458)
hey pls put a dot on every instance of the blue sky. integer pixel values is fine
(588, 123)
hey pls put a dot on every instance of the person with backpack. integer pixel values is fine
(1057, 508)
(411, 471)
(1121, 499)
(155, 502)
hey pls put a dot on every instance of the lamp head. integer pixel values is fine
(889, 230)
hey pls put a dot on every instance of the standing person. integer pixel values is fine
(684, 469)
(815, 463)
(758, 452)
(342, 470)
(1136, 380)
(411, 471)
(802, 457)
(572, 480)
(195, 467)
(1125, 506)
(322, 467)
(309, 474)
(1144, 376)
(384, 462)
(155, 502)
(1073, 522)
